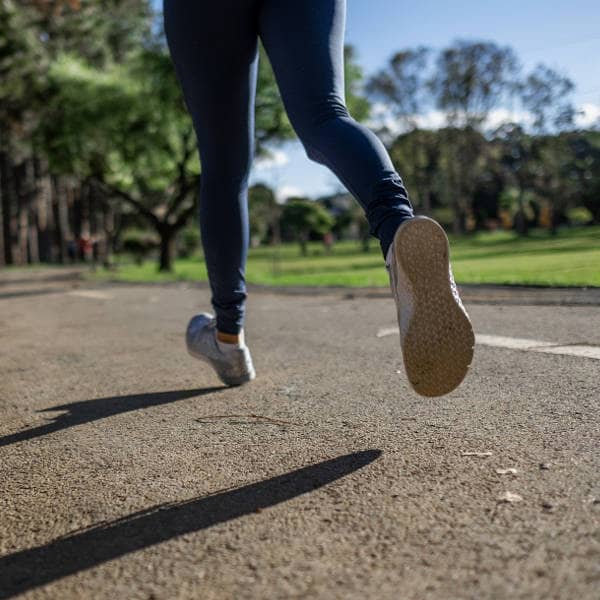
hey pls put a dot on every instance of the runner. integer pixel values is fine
(214, 47)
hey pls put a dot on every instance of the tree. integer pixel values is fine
(23, 61)
(97, 32)
(272, 124)
(418, 154)
(32, 34)
(302, 217)
(516, 157)
(470, 79)
(402, 86)
(264, 213)
(126, 129)
(545, 94)
(586, 168)
(358, 105)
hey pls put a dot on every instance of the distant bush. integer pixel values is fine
(444, 216)
(579, 215)
(188, 241)
(139, 244)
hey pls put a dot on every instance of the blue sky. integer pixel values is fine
(563, 35)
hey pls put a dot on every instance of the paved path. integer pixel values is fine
(127, 471)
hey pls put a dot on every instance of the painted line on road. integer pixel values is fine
(94, 295)
(524, 344)
(499, 341)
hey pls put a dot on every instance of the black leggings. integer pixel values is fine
(214, 47)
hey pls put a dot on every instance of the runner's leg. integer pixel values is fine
(214, 47)
(305, 44)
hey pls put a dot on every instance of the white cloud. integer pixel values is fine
(499, 116)
(434, 119)
(589, 114)
(278, 158)
(381, 117)
(286, 191)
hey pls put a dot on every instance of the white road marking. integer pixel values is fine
(513, 343)
(95, 295)
(525, 344)
(498, 341)
(384, 332)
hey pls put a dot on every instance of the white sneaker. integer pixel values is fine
(233, 367)
(436, 335)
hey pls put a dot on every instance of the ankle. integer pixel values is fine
(230, 338)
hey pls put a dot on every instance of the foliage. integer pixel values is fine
(303, 217)
(188, 241)
(139, 243)
(579, 215)
(264, 213)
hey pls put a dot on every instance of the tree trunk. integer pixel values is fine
(303, 247)
(555, 219)
(521, 217)
(45, 221)
(459, 225)
(6, 196)
(20, 173)
(32, 209)
(108, 227)
(61, 213)
(2, 257)
(426, 200)
(366, 244)
(167, 248)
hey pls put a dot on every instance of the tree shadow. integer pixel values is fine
(44, 278)
(84, 549)
(36, 292)
(87, 411)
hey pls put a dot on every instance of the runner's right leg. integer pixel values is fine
(305, 44)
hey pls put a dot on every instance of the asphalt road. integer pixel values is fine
(128, 471)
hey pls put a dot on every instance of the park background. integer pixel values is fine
(491, 116)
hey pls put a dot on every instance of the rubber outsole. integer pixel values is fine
(438, 345)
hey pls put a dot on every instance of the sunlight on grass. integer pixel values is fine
(571, 258)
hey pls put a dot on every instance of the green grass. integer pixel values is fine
(571, 258)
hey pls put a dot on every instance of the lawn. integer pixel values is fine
(570, 258)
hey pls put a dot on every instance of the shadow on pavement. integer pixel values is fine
(37, 277)
(36, 292)
(85, 549)
(100, 408)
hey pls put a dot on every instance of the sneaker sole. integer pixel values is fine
(232, 382)
(439, 343)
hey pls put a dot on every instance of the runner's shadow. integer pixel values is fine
(88, 548)
(101, 408)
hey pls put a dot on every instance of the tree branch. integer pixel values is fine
(184, 186)
(111, 190)
(189, 186)
(184, 216)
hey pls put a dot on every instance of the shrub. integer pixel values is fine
(188, 242)
(579, 215)
(139, 244)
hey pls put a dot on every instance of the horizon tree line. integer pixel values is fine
(95, 137)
